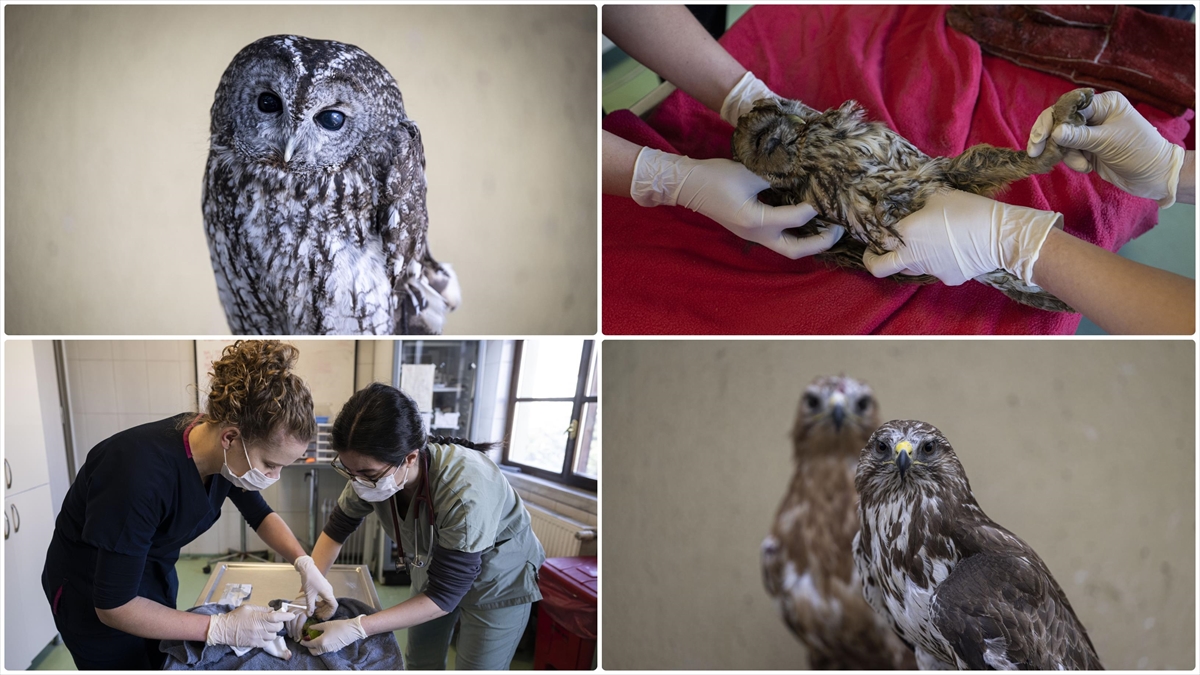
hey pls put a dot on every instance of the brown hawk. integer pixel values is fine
(964, 591)
(807, 563)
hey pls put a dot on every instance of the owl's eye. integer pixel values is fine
(863, 405)
(812, 402)
(269, 103)
(330, 119)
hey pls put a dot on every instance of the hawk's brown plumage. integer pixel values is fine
(807, 561)
(964, 591)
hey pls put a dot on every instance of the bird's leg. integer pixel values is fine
(985, 170)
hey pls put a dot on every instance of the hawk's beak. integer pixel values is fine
(839, 416)
(289, 149)
(839, 410)
(904, 451)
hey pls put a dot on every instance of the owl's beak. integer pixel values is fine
(289, 149)
(904, 451)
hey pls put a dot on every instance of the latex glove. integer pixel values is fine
(295, 627)
(315, 587)
(1119, 144)
(741, 98)
(727, 192)
(246, 626)
(336, 635)
(958, 236)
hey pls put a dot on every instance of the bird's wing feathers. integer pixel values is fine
(1004, 611)
(403, 219)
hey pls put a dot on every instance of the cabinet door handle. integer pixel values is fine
(16, 517)
(6, 526)
(7, 474)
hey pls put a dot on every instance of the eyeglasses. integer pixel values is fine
(367, 482)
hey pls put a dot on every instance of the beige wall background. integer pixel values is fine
(107, 114)
(1084, 449)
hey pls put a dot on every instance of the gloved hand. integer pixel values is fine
(741, 98)
(295, 627)
(727, 192)
(247, 626)
(958, 236)
(1119, 144)
(335, 635)
(315, 587)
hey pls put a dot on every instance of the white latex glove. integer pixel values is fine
(295, 627)
(958, 236)
(741, 98)
(335, 635)
(727, 192)
(247, 626)
(317, 591)
(1119, 144)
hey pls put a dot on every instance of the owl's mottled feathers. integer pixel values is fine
(807, 561)
(865, 177)
(314, 196)
(966, 592)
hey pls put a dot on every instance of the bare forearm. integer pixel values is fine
(412, 612)
(276, 534)
(1186, 192)
(1120, 295)
(668, 40)
(619, 158)
(148, 619)
(325, 552)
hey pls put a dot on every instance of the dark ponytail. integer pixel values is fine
(384, 423)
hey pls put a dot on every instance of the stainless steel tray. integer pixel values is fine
(280, 580)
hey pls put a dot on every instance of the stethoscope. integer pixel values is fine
(423, 495)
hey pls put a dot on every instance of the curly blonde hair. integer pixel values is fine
(254, 388)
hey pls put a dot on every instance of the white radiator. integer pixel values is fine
(561, 536)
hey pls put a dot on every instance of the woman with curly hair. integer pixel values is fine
(146, 492)
(463, 533)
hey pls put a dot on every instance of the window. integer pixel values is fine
(554, 411)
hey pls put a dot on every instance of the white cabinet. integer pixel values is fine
(28, 512)
(28, 625)
(24, 437)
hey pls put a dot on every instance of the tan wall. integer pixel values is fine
(1083, 449)
(107, 134)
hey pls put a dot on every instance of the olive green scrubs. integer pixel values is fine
(476, 510)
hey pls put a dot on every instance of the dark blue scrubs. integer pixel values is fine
(136, 502)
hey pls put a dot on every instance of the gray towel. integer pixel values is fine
(377, 652)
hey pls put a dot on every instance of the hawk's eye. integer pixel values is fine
(269, 103)
(863, 405)
(812, 402)
(927, 448)
(331, 119)
(882, 448)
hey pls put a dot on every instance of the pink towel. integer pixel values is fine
(668, 270)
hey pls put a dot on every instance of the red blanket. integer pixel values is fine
(668, 270)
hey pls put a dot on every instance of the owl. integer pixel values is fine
(808, 567)
(866, 177)
(314, 197)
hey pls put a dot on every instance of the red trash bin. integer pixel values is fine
(566, 631)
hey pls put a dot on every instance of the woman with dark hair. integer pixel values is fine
(146, 492)
(461, 529)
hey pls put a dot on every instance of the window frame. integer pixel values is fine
(566, 475)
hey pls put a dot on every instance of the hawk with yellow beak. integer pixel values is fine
(806, 560)
(966, 592)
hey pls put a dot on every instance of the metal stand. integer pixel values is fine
(240, 555)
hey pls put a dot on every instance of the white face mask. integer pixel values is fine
(253, 479)
(384, 488)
